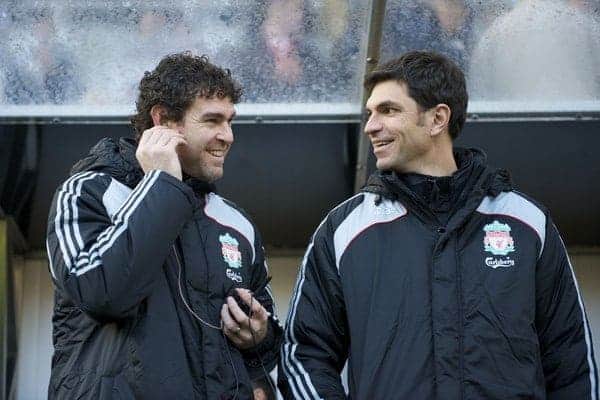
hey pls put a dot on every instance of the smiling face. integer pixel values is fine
(206, 127)
(398, 129)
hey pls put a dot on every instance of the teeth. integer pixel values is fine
(381, 144)
(217, 153)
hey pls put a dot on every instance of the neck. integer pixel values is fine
(439, 161)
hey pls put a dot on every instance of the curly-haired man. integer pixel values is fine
(161, 285)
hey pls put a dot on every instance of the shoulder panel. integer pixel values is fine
(115, 196)
(224, 214)
(516, 206)
(365, 215)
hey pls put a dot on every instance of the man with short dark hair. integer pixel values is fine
(438, 280)
(161, 287)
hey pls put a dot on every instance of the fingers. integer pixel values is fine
(144, 138)
(237, 313)
(162, 136)
(177, 140)
(156, 137)
(257, 310)
(242, 330)
(157, 149)
(241, 335)
(230, 327)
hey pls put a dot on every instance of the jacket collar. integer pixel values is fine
(479, 179)
(491, 181)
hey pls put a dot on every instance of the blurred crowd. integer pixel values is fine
(94, 53)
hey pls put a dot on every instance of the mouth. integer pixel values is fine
(379, 145)
(217, 153)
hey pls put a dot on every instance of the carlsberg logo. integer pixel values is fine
(499, 263)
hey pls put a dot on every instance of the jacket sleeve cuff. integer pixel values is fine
(265, 353)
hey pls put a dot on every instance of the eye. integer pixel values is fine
(386, 110)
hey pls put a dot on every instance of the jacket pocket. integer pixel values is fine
(115, 388)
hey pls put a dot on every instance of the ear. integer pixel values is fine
(441, 119)
(158, 113)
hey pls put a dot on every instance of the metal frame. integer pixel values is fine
(11, 240)
(373, 42)
(247, 113)
(353, 117)
(4, 299)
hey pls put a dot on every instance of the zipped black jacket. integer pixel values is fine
(484, 307)
(137, 261)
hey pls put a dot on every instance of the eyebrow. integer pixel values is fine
(217, 115)
(387, 103)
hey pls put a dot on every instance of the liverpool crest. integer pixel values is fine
(229, 249)
(497, 239)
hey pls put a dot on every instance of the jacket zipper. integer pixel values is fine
(431, 294)
(460, 319)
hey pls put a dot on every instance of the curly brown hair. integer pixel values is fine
(176, 82)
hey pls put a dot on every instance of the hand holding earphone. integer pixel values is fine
(157, 149)
(244, 329)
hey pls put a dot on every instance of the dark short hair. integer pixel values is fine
(431, 79)
(176, 82)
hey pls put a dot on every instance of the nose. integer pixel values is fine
(373, 125)
(226, 133)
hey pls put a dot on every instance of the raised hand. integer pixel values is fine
(157, 149)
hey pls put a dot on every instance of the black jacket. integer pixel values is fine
(136, 261)
(485, 306)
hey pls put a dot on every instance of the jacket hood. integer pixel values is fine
(114, 157)
(117, 158)
(489, 181)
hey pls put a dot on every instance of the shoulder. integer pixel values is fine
(360, 212)
(518, 206)
(225, 211)
(228, 214)
(85, 183)
(514, 203)
(92, 190)
(353, 217)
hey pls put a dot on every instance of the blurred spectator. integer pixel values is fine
(160, 31)
(2, 90)
(273, 63)
(229, 24)
(484, 13)
(282, 50)
(303, 52)
(105, 50)
(588, 7)
(37, 67)
(540, 50)
(282, 33)
(122, 42)
(4, 30)
(440, 25)
(117, 45)
(340, 40)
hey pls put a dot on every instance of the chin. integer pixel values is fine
(208, 176)
(214, 175)
(382, 165)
